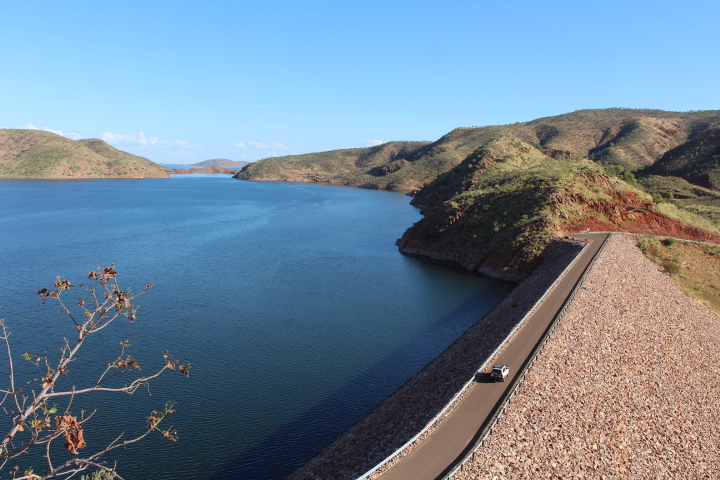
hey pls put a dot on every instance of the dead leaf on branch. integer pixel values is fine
(73, 432)
(128, 362)
(103, 275)
(47, 380)
(44, 294)
(63, 284)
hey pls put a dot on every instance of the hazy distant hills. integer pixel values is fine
(208, 169)
(40, 154)
(630, 138)
(221, 162)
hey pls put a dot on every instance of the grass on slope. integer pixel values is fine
(627, 137)
(693, 267)
(507, 200)
(683, 201)
(39, 154)
(382, 166)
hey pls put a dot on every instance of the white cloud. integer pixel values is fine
(141, 139)
(373, 142)
(29, 126)
(239, 145)
(136, 138)
(74, 136)
(275, 147)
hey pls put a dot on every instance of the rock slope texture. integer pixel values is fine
(628, 386)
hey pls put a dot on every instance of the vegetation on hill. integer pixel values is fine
(221, 162)
(693, 267)
(682, 196)
(633, 139)
(498, 210)
(40, 154)
(697, 161)
(389, 166)
(494, 197)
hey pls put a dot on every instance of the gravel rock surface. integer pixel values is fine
(407, 411)
(628, 385)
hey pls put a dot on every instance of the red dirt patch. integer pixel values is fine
(652, 223)
(630, 213)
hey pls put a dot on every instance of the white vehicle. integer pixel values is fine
(499, 372)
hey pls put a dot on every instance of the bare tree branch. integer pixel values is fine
(36, 423)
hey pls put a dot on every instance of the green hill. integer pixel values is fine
(630, 138)
(697, 161)
(389, 165)
(40, 154)
(497, 210)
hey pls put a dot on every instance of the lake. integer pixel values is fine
(290, 301)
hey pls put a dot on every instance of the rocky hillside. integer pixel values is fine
(631, 138)
(40, 154)
(499, 208)
(221, 162)
(388, 166)
(697, 161)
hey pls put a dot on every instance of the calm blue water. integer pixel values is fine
(290, 301)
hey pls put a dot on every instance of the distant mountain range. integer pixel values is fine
(633, 139)
(40, 154)
(208, 169)
(221, 162)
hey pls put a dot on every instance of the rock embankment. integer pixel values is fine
(408, 410)
(628, 385)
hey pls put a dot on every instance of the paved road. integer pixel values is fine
(437, 453)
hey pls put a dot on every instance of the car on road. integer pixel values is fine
(499, 372)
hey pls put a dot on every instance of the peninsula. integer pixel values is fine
(494, 197)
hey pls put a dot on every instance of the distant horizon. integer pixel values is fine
(195, 161)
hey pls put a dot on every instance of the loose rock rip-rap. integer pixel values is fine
(628, 385)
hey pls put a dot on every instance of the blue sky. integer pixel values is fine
(181, 81)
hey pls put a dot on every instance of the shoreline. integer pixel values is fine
(408, 410)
